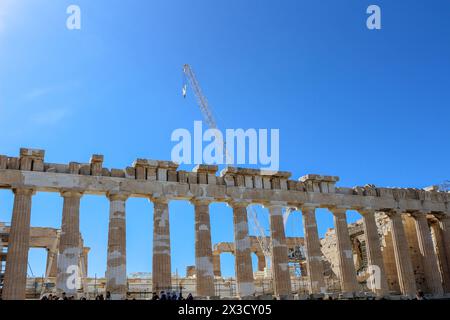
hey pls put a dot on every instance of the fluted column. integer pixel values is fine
(375, 261)
(429, 258)
(444, 222)
(261, 261)
(116, 270)
(216, 264)
(203, 249)
(51, 269)
(243, 259)
(85, 256)
(314, 260)
(161, 270)
(442, 257)
(405, 272)
(347, 271)
(280, 267)
(68, 260)
(14, 284)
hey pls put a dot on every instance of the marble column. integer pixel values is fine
(116, 271)
(261, 261)
(429, 258)
(444, 222)
(68, 272)
(347, 271)
(405, 272)
(377, 281)
(243, 259)
(14, 285)
(314, 259)
(161, 269)
(441, 255)
(203, 249)
(216, 264)
(51, 269)
(280, 267)
(85, 256)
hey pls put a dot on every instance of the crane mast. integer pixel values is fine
(201, 99)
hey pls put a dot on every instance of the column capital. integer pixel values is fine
(393, 212)
(366, 210)
(337, 210)
(419, 214)
(159, 199)
(238, 203)
(118, 195)
(201, 200)
(275, 204)
(433, 219)
(308, 206)
(71, 193)
(23, 190)
(441, 216)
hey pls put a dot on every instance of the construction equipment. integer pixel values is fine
(201, 99)
(263, 241)
(210, 120)
(287, 213)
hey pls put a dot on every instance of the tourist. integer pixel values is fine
(190, 297)
(155, 296)
(108, 295)
(162, 296)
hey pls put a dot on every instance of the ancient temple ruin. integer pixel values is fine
(402, 242)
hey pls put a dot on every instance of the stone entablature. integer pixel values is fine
(146, 177)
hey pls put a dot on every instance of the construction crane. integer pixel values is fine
(208, 115)
(263, 241)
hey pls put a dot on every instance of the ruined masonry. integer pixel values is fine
(403, 237)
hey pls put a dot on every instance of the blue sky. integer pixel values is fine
(368, 106)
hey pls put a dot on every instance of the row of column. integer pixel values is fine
(116, 282)
(377, 280)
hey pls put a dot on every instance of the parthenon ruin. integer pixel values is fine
(400, 228)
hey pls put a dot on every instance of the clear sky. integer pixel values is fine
(370, 106)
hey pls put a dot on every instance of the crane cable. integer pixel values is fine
(31, 270)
